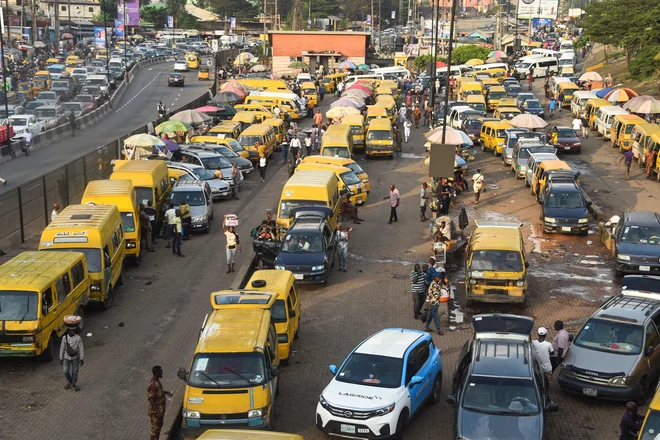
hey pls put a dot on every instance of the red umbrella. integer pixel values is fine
(440, 64)
(361, 87)
(230, 87)
(209, 109)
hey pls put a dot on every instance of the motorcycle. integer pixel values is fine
(162, 112)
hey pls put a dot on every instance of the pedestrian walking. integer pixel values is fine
(560, 102)
(542, 353)
(585, 126)
(145, 228)
(394, 203)
(233, 244)
(477, 184)
(402, 115)
(433, 305)
(186, 220)
(417, 289)
(342, 236)
(552, 106)
(318, 118)
(530, 80)
(631, 422)
(308, 144)
(152, 212)
(177, 230)
(423, 202)
(577, 126)
(417, 113)
(559, 344)
(407, 126)
(170, 216)
(235, 180)
(72, 352)
(294, 145)
(262, 167)
(157, 402)
(627, 159)
(72, 124)
(444, 195)
(28, 141)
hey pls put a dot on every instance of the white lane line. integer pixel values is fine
(141, 90)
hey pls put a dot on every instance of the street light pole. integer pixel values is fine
(2, 46)
(105, 31)
(452, 19)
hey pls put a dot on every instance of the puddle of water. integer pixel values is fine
(377, 260)
(535, 238)
(411, 156)
(591, 262)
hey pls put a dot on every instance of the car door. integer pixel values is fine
(414, 362)
(652, 348)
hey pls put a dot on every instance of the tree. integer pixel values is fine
(470, 51)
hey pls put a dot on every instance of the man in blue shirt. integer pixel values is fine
(552, 106)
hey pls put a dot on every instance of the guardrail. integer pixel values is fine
(25, 211)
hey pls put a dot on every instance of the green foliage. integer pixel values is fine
(155, 15)
(464, 53)
(633, 25)
(242, 9)
(581, 42)
(420, 62)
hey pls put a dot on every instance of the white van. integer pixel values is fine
(491, 66)
(604, 117)
(567, 59)
(580, 98)
(399, 71)
(458, 114)
(545, 53)
(566, 44)
(350, 80)
(541, 66)
(303, 77)
(98, 80)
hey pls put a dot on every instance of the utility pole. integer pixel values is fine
(69, 9)
(380, 37)
(107, 49)
(57, 22)
(452, 19)
(33, 14)
(372, 22)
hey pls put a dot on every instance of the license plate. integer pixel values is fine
(566, 229)
(645, 268)
(298, 276)
(589, 392)
(347, 429)
(359, 202)
(567, 148)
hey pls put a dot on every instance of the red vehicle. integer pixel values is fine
(3, 133)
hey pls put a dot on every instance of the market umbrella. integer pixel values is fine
(258, 68)
(497, 54)
(346, 102)
(621, 95)
(603, 92)
(39, 44)
(66, 36)
(172, 127)
(338, 112)
(355, 93)
(225, 98)
(363, 67)
(243, 58)
(171, 146)
(191, 117)
(648, 107)
(590, 76)
(298, 65)
(453, 136)
(143, 140)
(346, 65)
(440, 65)
(474, 62)
(493, 60)
(637, 100)
(234, 87)
(529, 121)
(360, 86)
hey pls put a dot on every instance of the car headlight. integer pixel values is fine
(199, 219)
(520, 283)
(549, 219)
(623, 257)
(254, 413)
(320, 267)
(282, 337)
(365, 181)
(618, 380)
(95, 288)
(385, 410)
(130, 245)
(279, 267)
(473, 281)
(583, 220)
(187, 414)
(323, 402)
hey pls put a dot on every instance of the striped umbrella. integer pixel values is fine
(346, 65)
(345, 102)
(356, 93)
(621, 95)
(636, 101)
(497, 54)
(603, 92)
(649, 107)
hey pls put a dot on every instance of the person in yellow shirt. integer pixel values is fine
(176, 234)
(186, 220)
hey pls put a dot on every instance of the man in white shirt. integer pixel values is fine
(169, 218)
(542, 352)
(294, 146)
(28, 141)
(577, 125)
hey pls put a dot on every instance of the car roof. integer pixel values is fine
(497, 236)
(509, 357)
(629, 308)
(646, 218)
(391, 342)
(564, 186)
(188, 184)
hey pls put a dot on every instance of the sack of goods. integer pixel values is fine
(72, 320)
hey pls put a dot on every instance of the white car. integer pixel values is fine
(381, 385)
(181, 66)
(22, 122)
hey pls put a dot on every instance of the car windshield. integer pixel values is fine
(641, 235)
(95, 82)
(17, 305)
(144, 194)
(204, 174)
(302, 242)
(533, 104)
(524, 65)
(379, 135)
(279, 311)
(47, 95)
(90, 90)
(651, 426)
(84, 98)
(566, 200)
(499, 395)
(349, 178)
(611, 336)
(514, 89)
(127, 221)
(45, 112)
(353, 166)
(18, 122)
(505, 261)
(629, 128)
(61, 84)
(288, 205)
(235, 145)
(566, 133)
(496, 95)
(371, 370)
(227, 370)
(192, 198)
(53, 69)
(93, 256)
(336, 152)
(71, 107)
(226, 151)
(212, 163)
(249, 141)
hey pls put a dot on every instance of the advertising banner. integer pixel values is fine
(232, 22)
(170, 21)
(393, 15)
(368, 22)
(99, 37)
(119, 29)
(131, 12)
(528, 9)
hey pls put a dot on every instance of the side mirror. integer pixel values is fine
(551, 407)
(293, 313)
(649, 351)
(451, 399)
(275, 371)
(589, 204)
(416, 380)
(182, 374)
(526, 264)
(333, 369)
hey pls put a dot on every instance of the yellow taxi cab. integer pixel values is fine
(229, 142)
(230, 129)
(651, 422)
(496, 264)
(234, 372)
(376, 112)
(477, 102)
(309, 90)
(258, 133)
(193, 60)
(347, 179)
(203, 73)
(506, 113)
(379, 140)
(487, 83)
(387, 101)
(621, 130)
(567, 89)
(308, 188)
(240, 434)
(51, 61)
(260, 112)
(641, 139)
(96, 231)
(278, 126)
(392, 86)
(492, 136)
(470, 88)
(330, 82)
(356, 122)
(27, 89)
(508, 102)
(494, 96)
(41, 81)
(286, 307)
(245, 118)
(38, 290)
(149, 179)
(343, 162)
(543, 169)
(497, 74)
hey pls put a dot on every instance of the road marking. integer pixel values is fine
(141, 90)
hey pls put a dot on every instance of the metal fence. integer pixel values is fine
(25, 211)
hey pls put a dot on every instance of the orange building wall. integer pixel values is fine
(292, 45)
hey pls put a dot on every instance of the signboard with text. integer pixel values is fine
(130, 9)
(538, 9)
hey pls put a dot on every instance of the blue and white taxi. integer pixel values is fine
(381, 385)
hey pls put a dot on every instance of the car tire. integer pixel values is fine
(109, 300)
(138, 260)
(642, 392)
(51, 350)
(401, 425)
(436, 390)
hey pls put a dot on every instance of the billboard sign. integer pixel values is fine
(368, 22)
(119, 29)
(538, 9)
(170, 21)
(99, 37)
(129, 9)
(232, 22)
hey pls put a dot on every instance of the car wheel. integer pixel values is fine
(401, 425)
(51, 350)
(109, 299)
(138, 260)
(642, 392)
(437, 387)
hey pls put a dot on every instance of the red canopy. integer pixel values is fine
(439, 64)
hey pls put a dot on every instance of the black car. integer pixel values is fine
(563, 207)
(507, 81)
(512, 90)
(636, 248)
(176, 79)
(498, 389)
(534, 107)
(117, 74)
(308, 248)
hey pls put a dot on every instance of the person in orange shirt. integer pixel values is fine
(318, 118)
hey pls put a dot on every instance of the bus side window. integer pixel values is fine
(46, 301)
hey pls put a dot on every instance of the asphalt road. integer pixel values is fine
(136, 107)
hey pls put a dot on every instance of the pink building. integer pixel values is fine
(479, 5)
